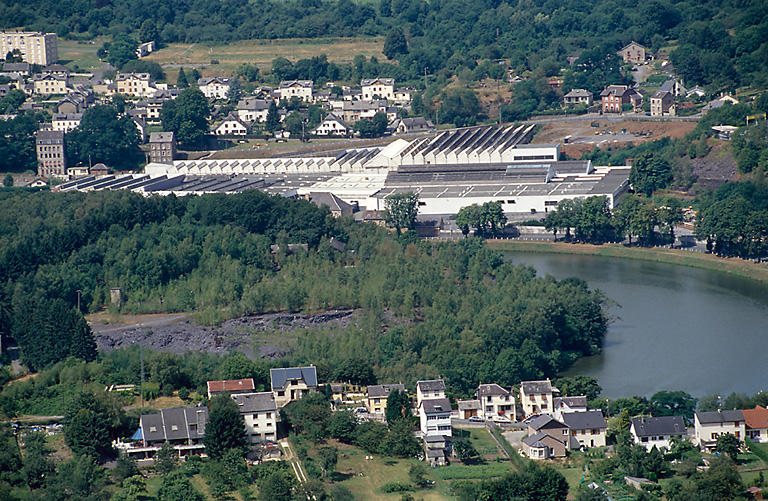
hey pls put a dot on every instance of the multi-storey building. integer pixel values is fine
(51, 154)
(35, 47)
(259, 412)
(708, 426)
(214, 88)
(378, 88)
(536, 397)
(496, 402)
(162, 148)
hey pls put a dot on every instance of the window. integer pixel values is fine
(268, 415)
(174, 427)
(152, 429)
(644, 439)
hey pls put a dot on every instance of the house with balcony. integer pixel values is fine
(708, 426)
(292, 383)
(435, 417)
(657, 432)
(578, 96)
(587, 427)
(496, 401)
(182, 427)
(537, 397)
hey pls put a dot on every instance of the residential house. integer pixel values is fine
(433, 388)
(337, 206)
(303, 89)
(162, 147)
(378, 88)
(51, 153)
(230, 387)
(135, 84)
(66, 121)
(214, 88)
(587, 427)
(251, 110)
(412, 125)
(231, 126)
(756, 423)
(697, 91)
(57, 70)
(469, 408)
(98, 169)
(46, 85)
(35, 47)
(182, 427)
(656, 432)
(347, 393)
(352, 111)
(377, 395)
(259, 411)
(38, 182)
(496, 401)
(633, 53)
(348, 94)
(434, 450)
(291, 383)
(435, 417)
(543, 446)
(77, 171)
(569, 404)
(578, 96)
(537, 397)
(674, 87)
(76, 101)
(614, 97)
(145, 49)
(403, 96)
(710, 425)
(721, 101)
(332, 126)
(141, 126)
(19, 69)
(551, 426)
(663, 104)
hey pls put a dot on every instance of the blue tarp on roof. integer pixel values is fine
(138, 435)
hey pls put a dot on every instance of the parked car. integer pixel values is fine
(501, 419)
(361, 410)
(475, 419)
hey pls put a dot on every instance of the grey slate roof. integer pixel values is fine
(530, 387)
(436, 405)
(545, 421)
(329, 200)
(720, 416)
(537, 440)
(50, 135)
(280, 376)
(578, 93)
(583, 420)
(469, 404)
(431, 385)
(179, 423)
(255, 402)
(161, 137)
(383, 390)
(662, 425)
(372, 81)
(485, 390)
(433, 439)
(580, 401)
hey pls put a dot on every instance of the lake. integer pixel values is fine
(674, 328)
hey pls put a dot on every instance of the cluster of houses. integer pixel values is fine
(618, 98)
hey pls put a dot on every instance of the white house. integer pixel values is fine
(433, 388)
(259, 412)
(47, 84)
(656, 431)
(756, 421)
(536, 397)
(569, 404)
(214, 88)
(252, 110)
(495, 401)
(710, 425)
(66, 121)
(303, 89)
(435, 417)
(588, 427)
(291, 383)
(378, 88)
(332, 126)
(411, 125)
(231, 126)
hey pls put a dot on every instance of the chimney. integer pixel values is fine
(201, 419)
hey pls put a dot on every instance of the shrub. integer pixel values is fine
(397, 487)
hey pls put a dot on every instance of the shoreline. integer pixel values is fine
(734, 266)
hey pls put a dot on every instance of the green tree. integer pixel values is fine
(148, 31)
(8, 181)
(104, 136)
(395, 43)
(165, 459)
(673, 403)
(294, 123)
(729, 445)
(400, 210)
(572, 386)
(132, 489)
(272, 122)
(87, 425)
(398, 406)
(468, 217)
(342, 426)
(225, 429)
(493, 216)
(460, 107)
(590, 494)
(418, 474)
(277, 486)
(177, 487)
(329, 456)
(11, 102)
(465, 450)
(650, 172)
(181, 80)
(120, 50)
(248, 72)
(400, 440)
(186, 116)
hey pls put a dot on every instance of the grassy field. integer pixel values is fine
(82, 55)
(740, 267)
(261, 53)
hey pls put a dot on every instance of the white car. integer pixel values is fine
(475, 419)
(501, 419)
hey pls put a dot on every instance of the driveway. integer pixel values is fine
(515, 438)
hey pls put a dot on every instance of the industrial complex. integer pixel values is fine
(448, 170)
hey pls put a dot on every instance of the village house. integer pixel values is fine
(710, 425)
(145, 49)
(259, 411)
(536, 397)
(663, 104)
(548, 438)
(347, 393)
(337, 206)
(141, 127)
(633, 53)
(496, 402)
(656, 432)
(214, 88)
(182, 427)
(291, 383)
(135, 84)
(614, 97)
(57, 70)
(332, 126)
(51, 153)
(378, 88)
(435, 417)
(352, 111)
(412, 125)
(230, 386)
(162, 147)
(46, 85)
(66, 121)
(433, 388)
(569, 404)
(434, 450)
(588, 427)
(252, 110)
(756, 423)
(303, 89)
(578, 96)
(469, 408)
(376, 401)
(19, 69)
(230, 126)
(674, 87)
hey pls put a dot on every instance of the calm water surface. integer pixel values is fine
(674, 327)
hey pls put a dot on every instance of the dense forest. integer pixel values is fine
(449, 305)
(718, 43)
